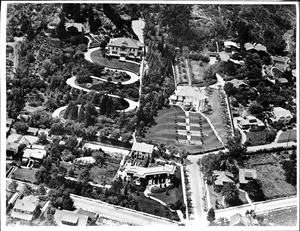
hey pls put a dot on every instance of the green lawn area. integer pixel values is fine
(153, 207)
(256, 138)
(285, 217)
(97, 57)
(271, 175)
(163, 130)
(24, 174)
(215, 115)
(289, 135)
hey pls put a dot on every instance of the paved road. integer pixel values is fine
(259, 207)
(119, 214)
(196, 188)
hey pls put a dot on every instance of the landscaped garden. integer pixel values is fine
(97, 57)
(198, 71)
(271, 174)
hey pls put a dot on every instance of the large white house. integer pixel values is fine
(281, 114)
(125, 48)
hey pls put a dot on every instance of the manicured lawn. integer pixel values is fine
(23, 174)
(97, 57)
(285, 217)
(256, 138)
(289, 135)
(164, 130)
(271, 175)
(153, 207)
(215, 115)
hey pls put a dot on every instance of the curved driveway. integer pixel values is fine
(132, 104)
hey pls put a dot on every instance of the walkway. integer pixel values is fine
(132, 104)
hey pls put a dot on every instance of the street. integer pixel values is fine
(116, 213)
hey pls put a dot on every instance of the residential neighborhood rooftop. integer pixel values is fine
(142, 147)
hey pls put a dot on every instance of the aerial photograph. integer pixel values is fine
(153, 114)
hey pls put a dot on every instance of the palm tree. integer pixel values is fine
(223, 221)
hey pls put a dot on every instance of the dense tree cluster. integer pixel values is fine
(290, 168)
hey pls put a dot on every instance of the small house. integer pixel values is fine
(280, 62)
(24, 208)
(245, 175)
(281, 114)
(222, 177)
(70, 218)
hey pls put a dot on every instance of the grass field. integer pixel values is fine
(271, 175)
(289, 135)
(285, 217)
(24, 174)
(215, 115)
(97, 57)
(256, 138)
(153, 207)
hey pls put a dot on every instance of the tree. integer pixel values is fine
(41, 190)
(255, 109)
(99, 157)
(231, 194)
(254, 190)
(90, 114)
(211, 215)
(236, 149)
(116, 186)
(84, 76)
(13, 186)
(21, 127)
(57, 129)
(43, 138)
(84, 175)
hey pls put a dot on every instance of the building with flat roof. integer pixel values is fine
(151, 175)
(247, 122)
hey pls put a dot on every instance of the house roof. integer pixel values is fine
(78, 26)
(12, 146)
(142, 147)
(238, 219)
(223, 177)
(143, 172)
(237, 82)
(190, 92)
(9, 121)
(28, 140)
(280, 112)
(14, 138)
(28, 203)
(255, 46)
(249, 173)
(280, 59)
(239, 62)
(231, 44)
(282, 80)
(128, 42)
(69, 216)
(34, 153)
(32, 130)
(224, 56)
(85, 212)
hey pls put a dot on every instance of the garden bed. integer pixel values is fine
(256, 138)
(97, 57)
